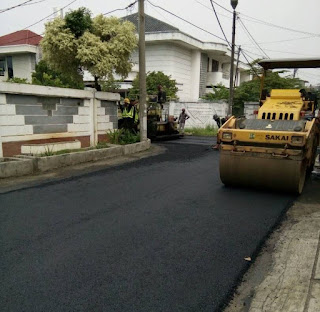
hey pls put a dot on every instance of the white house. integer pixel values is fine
(19, 53)
(194, 64)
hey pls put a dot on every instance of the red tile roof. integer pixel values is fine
(20, 37)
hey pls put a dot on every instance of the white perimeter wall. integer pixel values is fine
(172, 60)
(201, 113)
(26, 119)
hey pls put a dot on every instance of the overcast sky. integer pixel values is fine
(276, 42)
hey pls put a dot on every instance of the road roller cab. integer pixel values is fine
(276, 149)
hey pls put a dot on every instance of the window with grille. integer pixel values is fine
(215, 66)
(2, 66)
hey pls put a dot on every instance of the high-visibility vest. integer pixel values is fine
(131, 113)
(136, 116)
(126, 113)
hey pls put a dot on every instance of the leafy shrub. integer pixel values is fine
(18, 80)
(122, 136)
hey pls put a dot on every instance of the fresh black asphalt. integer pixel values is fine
(159, 234)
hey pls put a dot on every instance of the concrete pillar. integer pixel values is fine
(195, 75)
(3, 100)
(93, 120)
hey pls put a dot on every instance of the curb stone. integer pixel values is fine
(26, 165)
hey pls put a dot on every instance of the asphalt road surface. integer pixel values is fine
(159, 234)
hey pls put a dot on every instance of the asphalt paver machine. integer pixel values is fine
(278, 148)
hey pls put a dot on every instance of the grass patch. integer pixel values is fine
(102, 145)
(68, 151)
(207, 131)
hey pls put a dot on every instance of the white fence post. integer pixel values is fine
(93, 120)
(3, 101)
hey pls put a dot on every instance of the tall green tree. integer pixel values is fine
(250, 90)
(46, 76)
(101, 45)
(153, 80)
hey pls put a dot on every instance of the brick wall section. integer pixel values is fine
(14, 148)
(103, 138)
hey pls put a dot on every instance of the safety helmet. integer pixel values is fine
(126, 100)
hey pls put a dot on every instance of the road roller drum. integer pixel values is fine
(277, 149)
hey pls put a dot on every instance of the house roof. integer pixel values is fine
(151, 24)
(20, 37)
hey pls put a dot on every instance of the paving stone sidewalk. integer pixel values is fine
(286, 275)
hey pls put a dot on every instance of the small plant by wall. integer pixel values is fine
(122, 136)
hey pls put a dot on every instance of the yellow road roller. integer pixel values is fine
(278, 148)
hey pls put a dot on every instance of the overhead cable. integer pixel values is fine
(217, 17)
(252, 38)
(285, 40)
(253, 69)
(16, 6)
(126, 8)
(17, 40)
(208, 32)
(50, 15)
(256, 20)
(230, 17)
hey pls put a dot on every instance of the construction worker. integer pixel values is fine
(135, 108)
(127, 111)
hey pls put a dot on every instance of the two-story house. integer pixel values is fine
(19, 53)
(194, 64)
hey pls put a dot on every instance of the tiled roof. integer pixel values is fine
(20, 37)
(151, 24)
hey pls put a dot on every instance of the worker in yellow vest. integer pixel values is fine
(127, 111)
(135, 105)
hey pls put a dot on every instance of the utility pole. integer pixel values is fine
(234, 4)
(237, 68)
(142, 73)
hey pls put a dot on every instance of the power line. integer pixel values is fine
(36, 2)
(224, 39)
(222, 7)
(285, 40)
(126, 8)
(256, 20)
(250, 52)
(49, 15)
(130, 5)
(17, 40)
(253, 69)
(16, 6)
(211, 9)
(251, 37)
(164, 17)
(217, 17)
(293, 53)
(208, 32)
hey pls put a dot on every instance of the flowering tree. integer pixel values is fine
(100, 45)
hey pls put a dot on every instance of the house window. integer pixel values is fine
(2, 66)
(215, 66)
(208, 63)
(10, 67)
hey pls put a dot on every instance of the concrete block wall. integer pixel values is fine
(39, 114)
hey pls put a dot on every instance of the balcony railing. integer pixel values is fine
(226, 75)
